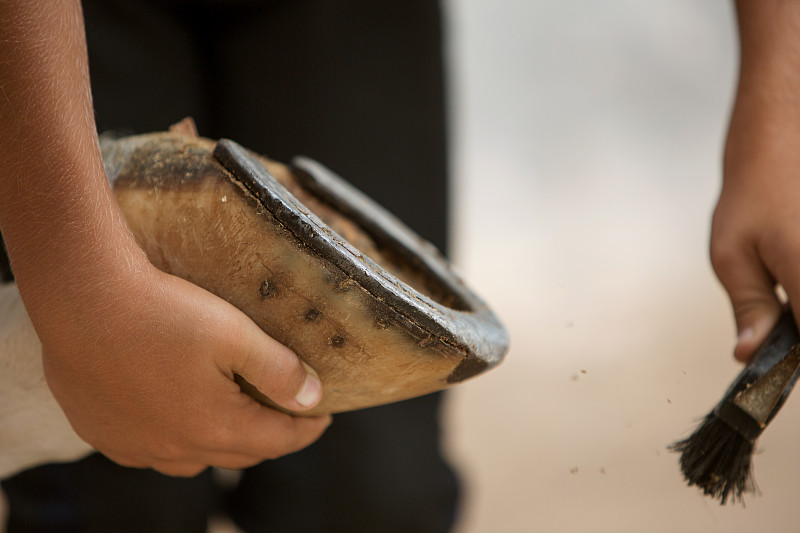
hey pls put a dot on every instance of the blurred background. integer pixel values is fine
(587, 159)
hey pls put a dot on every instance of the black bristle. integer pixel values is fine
(718, 460)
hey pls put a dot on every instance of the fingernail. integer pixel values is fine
(310, 393)
(745, 335)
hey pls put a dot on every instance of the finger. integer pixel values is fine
(171, 468)
(275, 370)
(787, 272)
(751, 289)
(190, 464)
(231, 461)
(174, 469)
(251, 433)
(272, 434)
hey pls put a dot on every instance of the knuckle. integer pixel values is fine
(724, 255)
(750, 306)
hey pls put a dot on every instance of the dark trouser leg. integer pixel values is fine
(375, 470)
(356, 84)
(97, 496)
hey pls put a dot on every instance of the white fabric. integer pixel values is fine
(33, 428)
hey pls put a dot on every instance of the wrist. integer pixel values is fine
(69, 247)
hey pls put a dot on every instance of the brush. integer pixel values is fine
(717, 457)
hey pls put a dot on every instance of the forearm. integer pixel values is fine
(142, 363)
(767, 105)
(57, 213)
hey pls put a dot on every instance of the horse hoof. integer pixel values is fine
(371, 306)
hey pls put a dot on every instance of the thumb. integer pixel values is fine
(754, 321)
(756, 306)
(273, 374)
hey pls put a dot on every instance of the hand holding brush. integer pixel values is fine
(755, 242)
(717, 457)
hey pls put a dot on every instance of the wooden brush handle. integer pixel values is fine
(761, 388)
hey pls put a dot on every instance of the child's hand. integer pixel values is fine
(141, 362)
(755, 237)
(148, 378)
